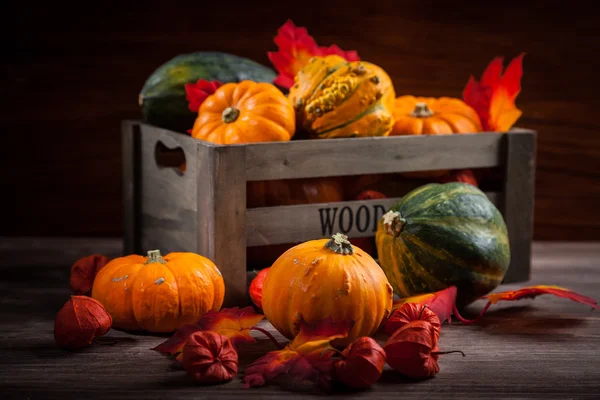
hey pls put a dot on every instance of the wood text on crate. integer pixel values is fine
(344, 219)
(298, 223)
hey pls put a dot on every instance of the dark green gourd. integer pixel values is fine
(440, 235)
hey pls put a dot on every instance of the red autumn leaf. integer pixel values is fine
(306, 358)
(296, 48)
(463, 175)
(256, 286)
(209, 357)
(361, 364)
(174, 345)
(234, 323)
(441, 303)
(83, 273)
(529, 292)
(197, 92)
(80, 320)
(493, 98)
(409, 312)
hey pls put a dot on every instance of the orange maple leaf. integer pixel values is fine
(493, 98)
(234, 323)
(296, 47)
(306, 358)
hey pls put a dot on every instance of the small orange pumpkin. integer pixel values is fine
(432, 116)
(326, 278)
(245, 112)
(159, 294)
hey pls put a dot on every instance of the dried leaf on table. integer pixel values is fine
(307, 358)
(529, 292)
(441, 303)
(80, 320)
(234, 323)
(296, 47)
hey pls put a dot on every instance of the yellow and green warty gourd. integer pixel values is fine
(335, 98)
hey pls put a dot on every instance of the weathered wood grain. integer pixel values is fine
(518, 203)
(221, 219)
(292, 224)
(342, 157)
(168, 202)
(536, 348)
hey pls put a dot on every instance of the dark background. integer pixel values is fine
(72, 71)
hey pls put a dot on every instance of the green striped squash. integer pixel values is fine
(336, 98)
(163, 98)
(441, 235)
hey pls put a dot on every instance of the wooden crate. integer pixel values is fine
(203, 210)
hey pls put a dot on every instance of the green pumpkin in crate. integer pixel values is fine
(441, 235)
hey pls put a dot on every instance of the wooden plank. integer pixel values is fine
(221, 219)
(291, 224)
(517, 202)
(130, 181)
(340, 157)
(168, 202)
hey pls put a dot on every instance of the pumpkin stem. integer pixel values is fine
(393, 223)
(230, 114)
(340, 244)
(422, 110)
(155, 257)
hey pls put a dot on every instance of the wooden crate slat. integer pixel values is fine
(221, 220)
(290, 224)
(339, 157)
(168, 201)
(517, 204)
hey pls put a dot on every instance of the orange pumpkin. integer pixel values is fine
(159, 294)
(326, 278)
(433, 116)
(245, 112)
(287, 193)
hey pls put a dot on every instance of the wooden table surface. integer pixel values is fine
(538, 348)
